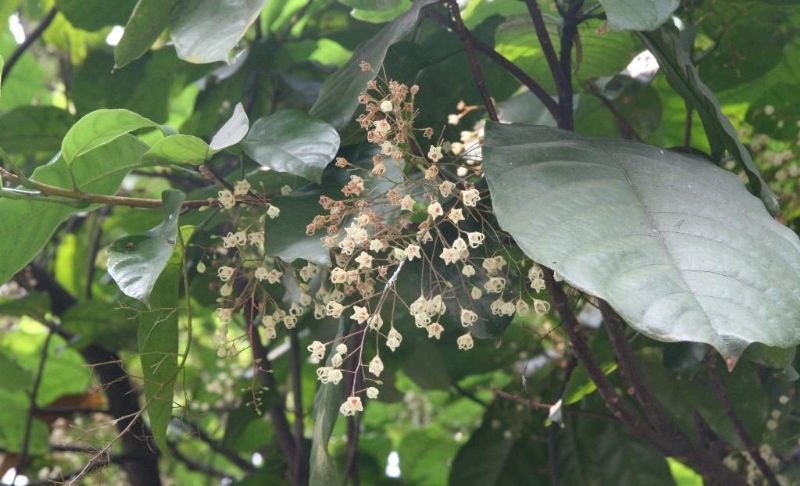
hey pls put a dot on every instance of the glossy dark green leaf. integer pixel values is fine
(135, 262)
(178, 149)
(666, 45)
(338, 97)
(31, 129)
(33, 223)
(148, 20)
(638, 14)
(233, 131)
(99, 128)
(207, 30)
(709, 266)
(293, 142)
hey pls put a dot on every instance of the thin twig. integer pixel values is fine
(474, 64)
(197, 432)
(29, 40)
(738, 426)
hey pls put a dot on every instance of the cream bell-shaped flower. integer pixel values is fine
(351, 406)
(261, 274)
(475, 239)
(470, 197)
(334, 309)
(375, 322)
(226, 199)
(360, 314)
(468, 317)
(407, 203)
(434, 330)
(468, 270)
(393, 339)
(317, 350)
(465, 342)
(376, 366)
(341, 348)
(364, 260)
(541, 307)
(372, 393)
(225, 273)
(413, 251)
(273, 211)
(435, 210)
(446, 188)
(241, 188)
(456, 215)
(435, 153)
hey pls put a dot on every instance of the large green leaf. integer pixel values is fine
(158, 344)
(338, 98)
(148, 20)
(673, 58)
(638, 14)
(675, 245)
(31, 129)
(206, 30)
(135, 262)
(99, 128)
(33, 222)
(178, 149)
(293, 142)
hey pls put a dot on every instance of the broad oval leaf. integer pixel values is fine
(338, 98)
(31, 129)
(233, 131)
(148, 20)
(99, 128)
(178, 149)
(638, 14)
(294, 142)
(135, 262)
(677, 246)
(33, 222)
(206, 30)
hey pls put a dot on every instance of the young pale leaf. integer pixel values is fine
(135, 262)
(99, 128)
(676, 245)
(233, 131)
(338, 98)
(178, 149)
(638, 14)
(206, 30)
(33, 222)
(681, 73)
(158, 342)
(294, 142)
(148, 20)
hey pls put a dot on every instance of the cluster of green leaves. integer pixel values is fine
(660, 228)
